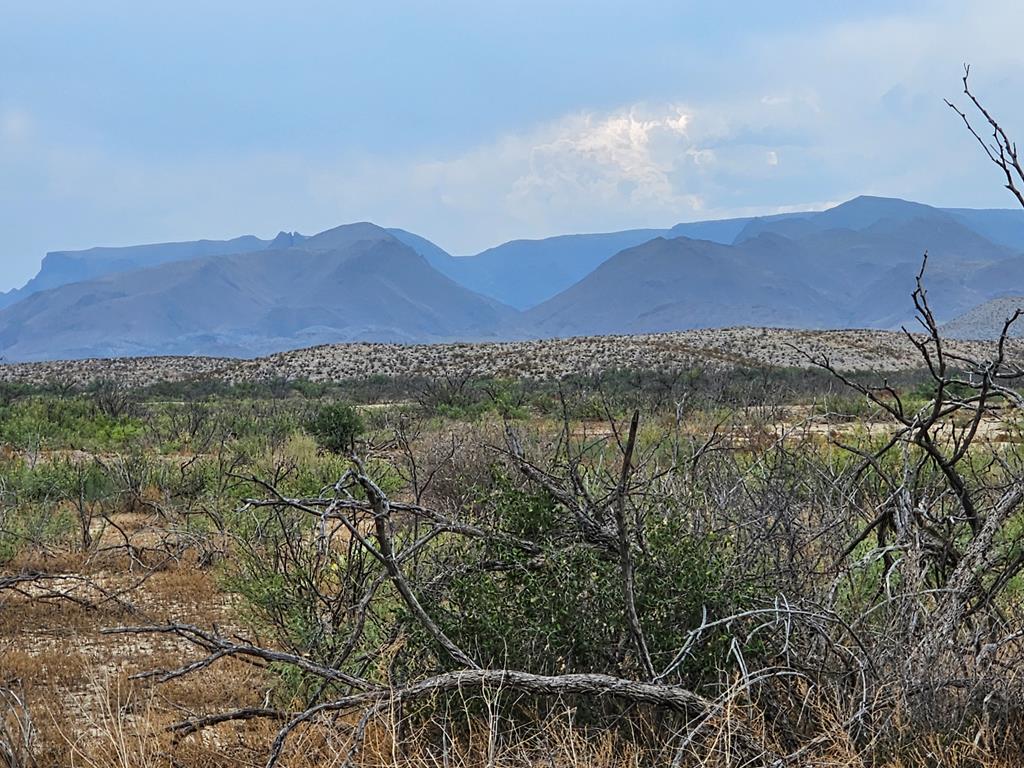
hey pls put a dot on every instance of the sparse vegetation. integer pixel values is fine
(381, 372)
(700, 566)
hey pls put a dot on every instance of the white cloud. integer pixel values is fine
(15, 125)
(624, 158)
(640, 165)
(634, 166)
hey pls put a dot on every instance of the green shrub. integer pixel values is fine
(562, 612)
(29, 526)
(52, 422)
(336, 427)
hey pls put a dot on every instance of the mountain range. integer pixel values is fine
(852, 265)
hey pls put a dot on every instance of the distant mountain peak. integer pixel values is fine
(869, 208)
(286, 240)
(862, 199)
(375, 288)
(346, 235)
(857, 214)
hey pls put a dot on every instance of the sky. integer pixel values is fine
(472, 123)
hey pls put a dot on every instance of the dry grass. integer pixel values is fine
(75, 680)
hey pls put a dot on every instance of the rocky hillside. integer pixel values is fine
(986, 321)
(854, 350)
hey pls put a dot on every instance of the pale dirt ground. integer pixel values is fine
(76, 679)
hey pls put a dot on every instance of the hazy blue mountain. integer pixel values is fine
(523, 273)
(286, 240)
(356, 282)
(345, 236)
(63, 267)
(682, 283)
(435, 254)
(724, 231)
(1001, 226)
(852, 266)
(857, 214)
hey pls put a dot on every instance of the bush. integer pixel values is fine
(336, 427)
(562, 612)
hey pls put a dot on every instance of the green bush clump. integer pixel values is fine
(562, 611)
(54, 422)
(336, 427)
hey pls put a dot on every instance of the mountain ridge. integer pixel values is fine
(254, 303)
(848, 266)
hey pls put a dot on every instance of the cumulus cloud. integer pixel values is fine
(640, 165)
(604, 156)
(591, 162)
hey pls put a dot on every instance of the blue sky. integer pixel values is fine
(472, 123)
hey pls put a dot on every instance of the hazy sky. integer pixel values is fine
(475, 122)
